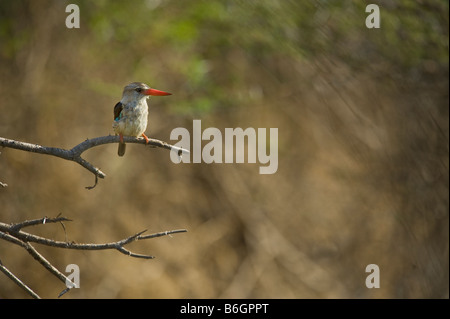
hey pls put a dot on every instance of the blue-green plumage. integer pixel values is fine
(118, 111)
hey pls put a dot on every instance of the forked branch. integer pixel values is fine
(14, 234)
(74, 154)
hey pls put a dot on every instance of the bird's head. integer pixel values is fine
(136, 91)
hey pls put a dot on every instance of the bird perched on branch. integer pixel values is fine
(130, 114)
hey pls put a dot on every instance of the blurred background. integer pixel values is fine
(363, 131)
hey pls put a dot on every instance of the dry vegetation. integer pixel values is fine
(363, 147)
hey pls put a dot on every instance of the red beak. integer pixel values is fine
(156, 92)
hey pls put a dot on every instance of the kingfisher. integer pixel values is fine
(131, 113)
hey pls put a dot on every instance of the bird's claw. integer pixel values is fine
(146, 138)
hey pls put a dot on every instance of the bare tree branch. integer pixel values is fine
(44, 262)
(14, 234)
(36, 255)
(18, 282)
(74, 154)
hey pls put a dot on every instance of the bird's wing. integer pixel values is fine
(117, 111)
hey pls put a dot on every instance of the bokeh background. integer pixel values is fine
(363, 131)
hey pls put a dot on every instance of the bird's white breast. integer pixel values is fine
(133, 121)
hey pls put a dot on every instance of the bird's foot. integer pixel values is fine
(121, 138)
(145, 137)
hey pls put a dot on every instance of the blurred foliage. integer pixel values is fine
(201, 38)
(363, 144)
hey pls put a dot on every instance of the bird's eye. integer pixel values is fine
(139, 90)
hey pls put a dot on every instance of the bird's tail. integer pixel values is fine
(121, 150)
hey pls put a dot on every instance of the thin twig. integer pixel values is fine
(164, 233)
(18, 282)
(36, 255)
(44, 262)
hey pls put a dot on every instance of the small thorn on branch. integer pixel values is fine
(95, 183)
(41, 221)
